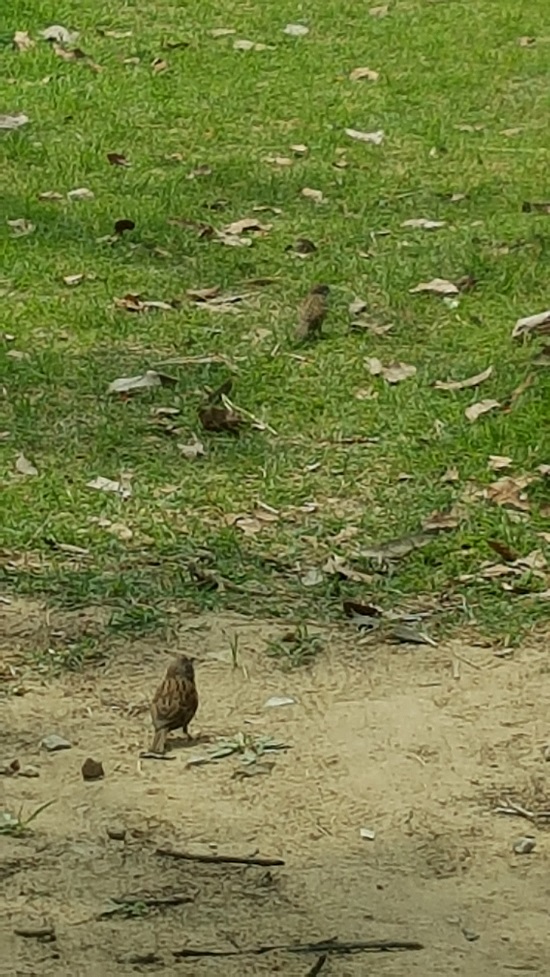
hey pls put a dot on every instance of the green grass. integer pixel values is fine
(441, 65)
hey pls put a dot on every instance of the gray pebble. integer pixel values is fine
(53, 742)
(525, 845)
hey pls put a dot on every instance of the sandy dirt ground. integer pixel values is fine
(416, 744)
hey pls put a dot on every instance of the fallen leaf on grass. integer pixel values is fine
(464, 384)
(439, 521)
(375, 138)
(299, 149)
(381, 11)
(509, 133)
(411, 636)
(221, 31)
(72, 280)
(245, 45)
(536, 207)
(509, 491)
(496, 462)
(424, 224)
(296, 30)
(101, 484)
(527, 41)
(24, 466)
(302, 247)
(133, 303)
(75, 54)
(232, 240)
(532, 325)
(360, 74)
(20, 227)
(60, 34)
(8, 122)
(118, 159)
(315, 195)
(245, 225)
(193, 450)
(145, 381)
(394, 373)
(482, 407)
(312, 577)
(81, 193)
(250, 525)
(503, 550)
(116, 35)
(199, 171)
(397, 548)
(337, 566)
(22, 41)
(451, 475)
(437, 286)
(469, 127)
(543, 469)
(159, 65)
(51, 195)
(357, 307)
(217, 418)
(278, 160)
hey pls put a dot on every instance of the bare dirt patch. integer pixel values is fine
(400, 741)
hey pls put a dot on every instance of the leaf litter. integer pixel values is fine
(464, 384)
(193, 449)
(423, 223)
(374, 138)
(22, 41)
(394, 373)
(475, 411)
(364, 74)
(24, 466)
(532, 325)
(9, 122)
(296, 30)
(145, 381)
(121, 487)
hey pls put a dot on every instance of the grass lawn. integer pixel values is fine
(208, 131)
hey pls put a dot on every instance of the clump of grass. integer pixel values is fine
(296, 648)
(17, 825)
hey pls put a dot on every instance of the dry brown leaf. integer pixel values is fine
(278, 160)
(296, 30)
(118, 159)
(497, 462)
(221, 31)
(543, 469)
(451, 475)
(397, 548)
(337, 566)
(203, 170)
(56, 32)
(122, 487)
(50, 195)
(423, 223)
(357, 307)
(381, 11)
(536, 207)
(22, 41)
(159, 65)
(133, 303)
(511, 132)
(21, 227)
(482, 407)
(72, 280)
(394, 373)
(527, 41)
(218, 418)
(246, 224)
(360, 74)
(509, 491)
(13, 121)
(545, 537)
(299, 149)
(437, 286)
(464, 384)
(375, 138)
(24, 466)
(535, 560)
(193, 449)
(245, 45)
(203, 294)
(302, 247)
(439, 521)
(144, 381)
(81, 193)
(532, 325)
(315, 195)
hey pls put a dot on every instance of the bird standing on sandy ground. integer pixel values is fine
(312, 312)
(175, 702)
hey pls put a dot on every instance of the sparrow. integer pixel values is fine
(175, 702)
(312, 312)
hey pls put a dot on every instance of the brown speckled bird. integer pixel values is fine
(175, 702)
(312, 312)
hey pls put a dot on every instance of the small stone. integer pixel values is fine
(53, 742)
(92, 769)
(367, 834)
(525, 845)
(279, 700)
(546, 752)
(116, 833)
